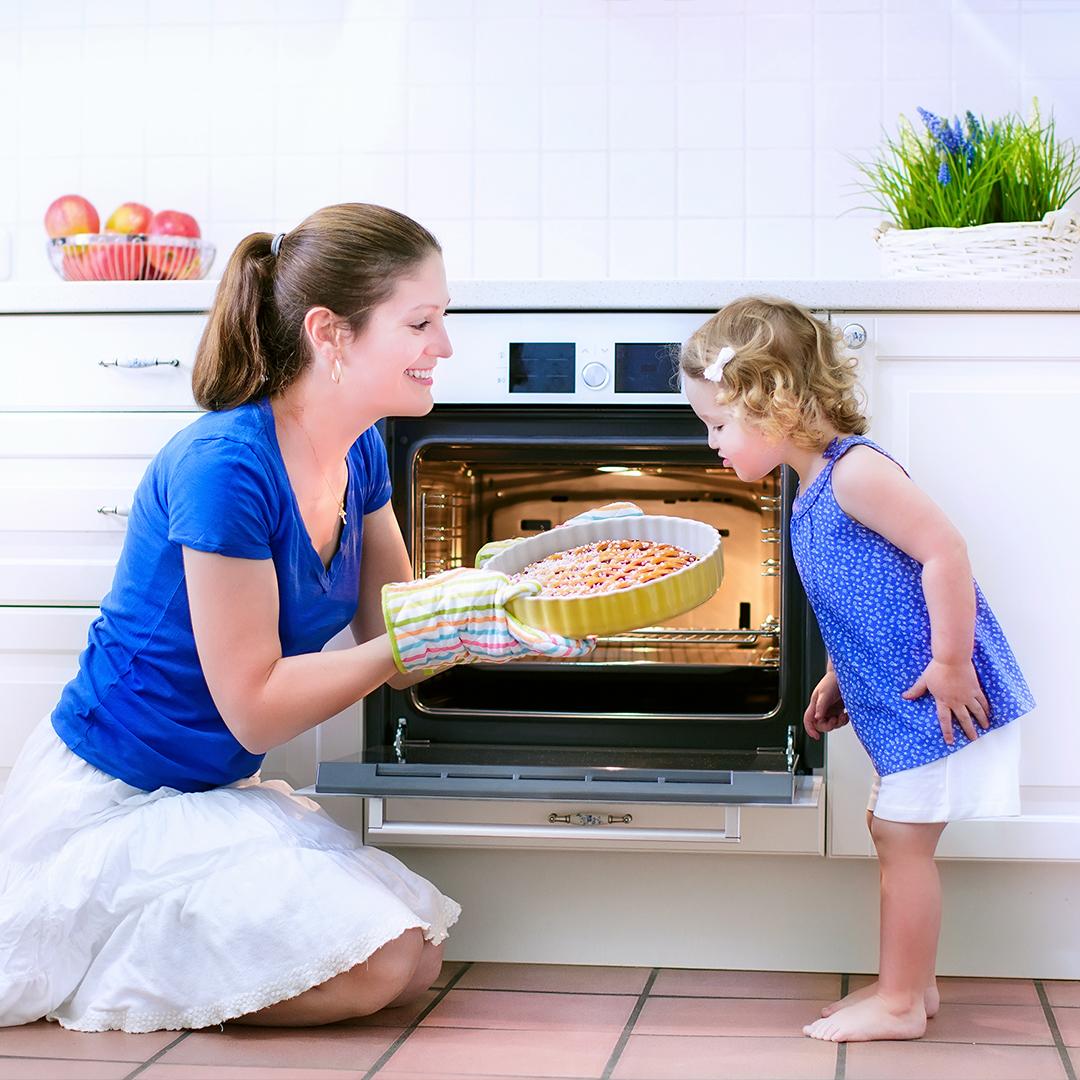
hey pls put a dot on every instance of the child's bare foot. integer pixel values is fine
(870, 1019)
(931, 999)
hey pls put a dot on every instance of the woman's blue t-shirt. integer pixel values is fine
(139, 708)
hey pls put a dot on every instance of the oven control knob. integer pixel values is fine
(854, 335)
(594, 376)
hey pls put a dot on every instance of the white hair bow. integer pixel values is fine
(715, 371)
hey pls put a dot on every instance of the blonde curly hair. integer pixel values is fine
(787, 374)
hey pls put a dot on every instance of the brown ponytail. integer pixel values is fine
(347, 258)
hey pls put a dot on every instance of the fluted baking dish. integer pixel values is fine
(615, 612)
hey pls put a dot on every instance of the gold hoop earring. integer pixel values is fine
(335, 371)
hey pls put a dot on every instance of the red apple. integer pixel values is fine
(71, 214)
(129, 217)
(169, 260)
(123, 261)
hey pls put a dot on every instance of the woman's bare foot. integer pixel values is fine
(870, 1019)
(931, 999)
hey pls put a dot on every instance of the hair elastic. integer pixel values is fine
(275, 244)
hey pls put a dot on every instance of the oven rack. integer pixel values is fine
(659, 635)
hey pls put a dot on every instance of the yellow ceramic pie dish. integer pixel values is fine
(614, 612)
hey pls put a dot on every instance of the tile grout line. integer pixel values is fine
(393, 1048)
(150, 1060)
(624, 1038)
(841, 1049)
(1055, 1031)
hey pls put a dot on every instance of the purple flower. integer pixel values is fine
(975, 133)
(943, 174)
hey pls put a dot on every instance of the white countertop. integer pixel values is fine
(1046, 294)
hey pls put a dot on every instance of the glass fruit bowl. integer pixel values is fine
(130, 257)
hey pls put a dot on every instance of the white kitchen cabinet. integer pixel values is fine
(981, 409)
(89, 399)
(39, 653)
(99, 363)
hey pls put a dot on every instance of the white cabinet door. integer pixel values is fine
(66, 482)
(981, 409)
(112, 363)
(39, 653)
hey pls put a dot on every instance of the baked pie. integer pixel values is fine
(604, 566)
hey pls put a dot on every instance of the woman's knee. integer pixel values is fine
(396, 962)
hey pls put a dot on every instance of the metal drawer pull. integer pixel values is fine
(136, 362)
(114, 511)
(590, 819)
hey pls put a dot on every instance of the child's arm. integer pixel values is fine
(877, 493)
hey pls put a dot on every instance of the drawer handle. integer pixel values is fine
(590, 819)
(137, 362)
(114, 511)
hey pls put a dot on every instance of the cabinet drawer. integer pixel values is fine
(39, 653)
(755, 828)
(66, 484)
(115, 363)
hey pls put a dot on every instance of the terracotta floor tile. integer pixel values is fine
(956, 990)
(951, 1061)
(1074, 1055)
(341, 1046)
(697, 1057)
(15, 1068)
(715, 1016)
(43, 1039)
(1017, 1024)
(1068, 1021)
(158, 1071)
(1062, 993)
(747, 984)
(395, 1018)
(564, 978)
(438, 1053)
(449, 969)
(525, 1011)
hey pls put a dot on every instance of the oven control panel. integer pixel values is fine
(563, 357)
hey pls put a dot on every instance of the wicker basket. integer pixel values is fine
(1013, 249)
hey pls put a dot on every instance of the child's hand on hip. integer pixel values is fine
(956, 692)
(826, 710)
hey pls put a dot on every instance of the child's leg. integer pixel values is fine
(931, 999)
(910, 922)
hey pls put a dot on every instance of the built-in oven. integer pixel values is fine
(541, 416)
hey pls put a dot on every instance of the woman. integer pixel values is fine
(148, 879)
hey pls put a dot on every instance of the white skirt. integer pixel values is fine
(146, 910)
(981, 780)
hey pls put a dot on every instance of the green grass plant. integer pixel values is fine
(973, 173)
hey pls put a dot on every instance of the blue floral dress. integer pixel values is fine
(868, 599)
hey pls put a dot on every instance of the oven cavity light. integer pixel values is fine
(622, 470)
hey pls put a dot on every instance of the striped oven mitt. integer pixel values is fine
(600, 513)
(460, 615)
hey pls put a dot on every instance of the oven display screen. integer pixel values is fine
(646, 368)
(544, 367)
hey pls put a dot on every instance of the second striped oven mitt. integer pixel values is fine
(460, 615)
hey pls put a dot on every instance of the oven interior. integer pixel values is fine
(707, 705)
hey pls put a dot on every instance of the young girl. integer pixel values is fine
(148, 879)
(917, 660)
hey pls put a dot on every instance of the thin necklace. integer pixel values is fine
(329, 487)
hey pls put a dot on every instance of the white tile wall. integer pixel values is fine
(550, 138)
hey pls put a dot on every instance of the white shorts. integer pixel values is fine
(980, 781)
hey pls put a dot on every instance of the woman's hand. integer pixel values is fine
(826, 710)
(460, 615)
(957, 693)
